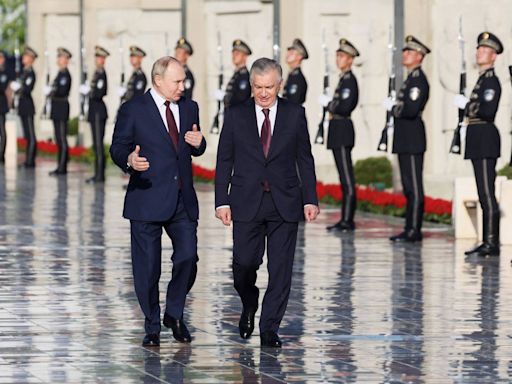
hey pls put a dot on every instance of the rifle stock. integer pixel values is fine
(455, 146)
(383, 143)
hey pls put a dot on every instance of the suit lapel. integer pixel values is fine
(157, 118)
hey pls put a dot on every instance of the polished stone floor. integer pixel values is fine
(361, 310)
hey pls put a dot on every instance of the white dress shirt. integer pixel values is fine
(160, 103)
(260, 117)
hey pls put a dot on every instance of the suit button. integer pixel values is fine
(175, 177)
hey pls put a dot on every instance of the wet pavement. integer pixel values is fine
(361, 309)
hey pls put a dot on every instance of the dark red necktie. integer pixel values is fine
(266, 134)
(171, 124)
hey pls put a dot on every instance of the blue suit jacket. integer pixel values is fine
(152, 195)
(242, 167)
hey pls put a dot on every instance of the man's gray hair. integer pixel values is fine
(265, 65)
(160, 66)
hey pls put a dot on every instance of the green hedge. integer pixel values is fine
(506, 171)
(374, 171)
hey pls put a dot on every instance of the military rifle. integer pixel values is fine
(215, 125)
(84, 99)
(17, 70)
(319, 139)
(48, 100)
(390, 120)
(455, 146)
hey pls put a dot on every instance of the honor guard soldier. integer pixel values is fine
(409, 140)
(238, 89)
(59, 92)
(97, 115)
(296, 86)
(483, 139)
(26, 110)
(341, 135)
(182, 52)
(4, 105)
(137, 83)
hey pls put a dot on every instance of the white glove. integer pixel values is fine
(121, 91)
(219, 94)
(15, 86)
(324, 100)
(460, 101)
(84, 89)
(388, 103)
(47, 89)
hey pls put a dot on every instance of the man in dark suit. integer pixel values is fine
(59, 92)
(154, 138)
(409, 139)
(265, 182)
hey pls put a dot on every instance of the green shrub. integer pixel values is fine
(374, 171)
(73, 126)
(506, 171)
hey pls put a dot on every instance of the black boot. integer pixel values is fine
(491, 239)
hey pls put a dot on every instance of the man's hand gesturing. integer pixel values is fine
(136, 162)
(194, 137)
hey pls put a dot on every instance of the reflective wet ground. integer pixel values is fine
(361, 310)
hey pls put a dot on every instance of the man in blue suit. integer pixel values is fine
(154, 138)
(265, 182)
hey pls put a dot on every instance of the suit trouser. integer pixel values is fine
(343, 159)
(146, 240)
(27, 122)
(61, 129)
(98, 133)
(485, 175)
(248, 248)
(3, 138)
(411, 173)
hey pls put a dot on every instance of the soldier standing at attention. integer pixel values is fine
(483, 139)
(296, 86)
(341, 135)
(97, 115)
(137, 83)
(238, 89)
(4, 106)
(182, 52)
(26, 110)
(59, 92)
(409, 140)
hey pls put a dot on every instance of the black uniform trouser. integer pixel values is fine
(411, 173)
(98, 133)
(3, 138)
(61, 129)
(485, 175)
(27, 122)
(343, 159)
(249, 240)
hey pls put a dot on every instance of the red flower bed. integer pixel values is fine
(368, 199)
(50, 148)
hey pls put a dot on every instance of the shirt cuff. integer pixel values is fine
(310, 205)
(222, 206)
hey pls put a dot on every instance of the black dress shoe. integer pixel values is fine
(151, 340)
(342, 226)
(57, 172)
(178, 327)
(270, 339)
(95, 179)
(484, 249)
(410, 236)
(246, 323)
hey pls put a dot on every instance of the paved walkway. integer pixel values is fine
(361, 310)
